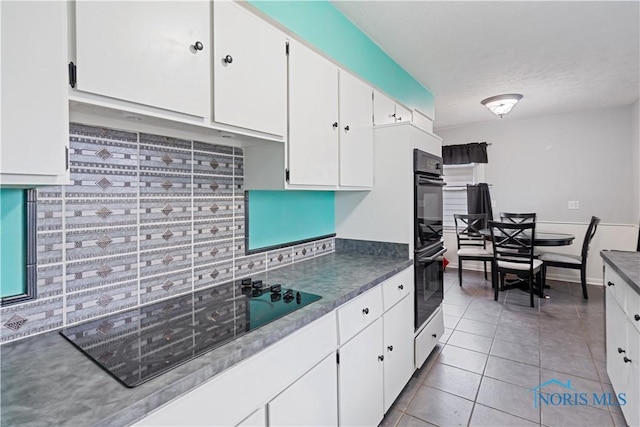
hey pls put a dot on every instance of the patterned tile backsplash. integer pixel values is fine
(146, 217)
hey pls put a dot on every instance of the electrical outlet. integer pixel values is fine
(573, 204)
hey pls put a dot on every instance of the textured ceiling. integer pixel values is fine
(562, 56)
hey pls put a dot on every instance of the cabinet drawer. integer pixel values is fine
(357, 314)
(428, 338)
(633, 307)
(397, 287)
(616, 287)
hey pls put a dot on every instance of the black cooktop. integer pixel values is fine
(137, 345)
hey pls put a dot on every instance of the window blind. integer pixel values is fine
(454, 198)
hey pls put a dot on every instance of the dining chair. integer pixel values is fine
(517, 218)
(576, 262)
(513, 253)
(472, 245)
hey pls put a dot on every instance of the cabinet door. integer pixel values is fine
(35, 111)
(361, 378)
(616, 338)
(146, 52)
(398, 350)
(257, 419)
(384, 109)
(310, 401)
(402, 114)
(313, 111)
(632, 409)
(356, 132)
(250, 71)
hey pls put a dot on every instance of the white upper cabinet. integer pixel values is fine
(387, 111)
(384, 109)
(35, 112)
(250, 71)
(402, 114)
(356, 132)
(151, 53)
(313, 118)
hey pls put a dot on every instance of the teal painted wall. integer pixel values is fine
(324, 26)
(12, 242)
(277, 217)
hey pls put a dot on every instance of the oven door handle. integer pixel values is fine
(434, 256)
(427, 181)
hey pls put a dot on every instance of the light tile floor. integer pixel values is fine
(493, 353)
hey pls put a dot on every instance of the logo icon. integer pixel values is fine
(558, 393)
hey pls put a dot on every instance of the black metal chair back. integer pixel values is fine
(471, 243)
(513, 242)
(591, 231)
(468, 229)
(513, 245)
(517, 218)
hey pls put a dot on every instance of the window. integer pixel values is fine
(455, 192)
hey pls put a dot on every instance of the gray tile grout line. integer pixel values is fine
(539, 330)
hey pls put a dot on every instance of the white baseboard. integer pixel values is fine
(559, 277)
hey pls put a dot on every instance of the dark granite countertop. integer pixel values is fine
(45, 381)
(626, 264)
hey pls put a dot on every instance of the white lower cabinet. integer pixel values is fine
(361, 378)
(428, 337)
(398, 350)
(257, 419)
(310, 401)
(623, 344)
(376, 364)
(236, 393)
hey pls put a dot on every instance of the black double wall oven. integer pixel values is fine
(428, 242)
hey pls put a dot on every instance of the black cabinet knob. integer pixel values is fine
(381, 358)
(610, 283)
(365, 310)
(335, 125)
(228, 59)
(637, 317)
(346, 128)
(620, 350)
(198, 46)
(399, 119)
(626, 360)
(434, 335)
(401, 287)
(390, 348)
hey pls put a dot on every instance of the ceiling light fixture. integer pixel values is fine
(501, 104)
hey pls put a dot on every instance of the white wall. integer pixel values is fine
(635, 138)
(540, 164)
